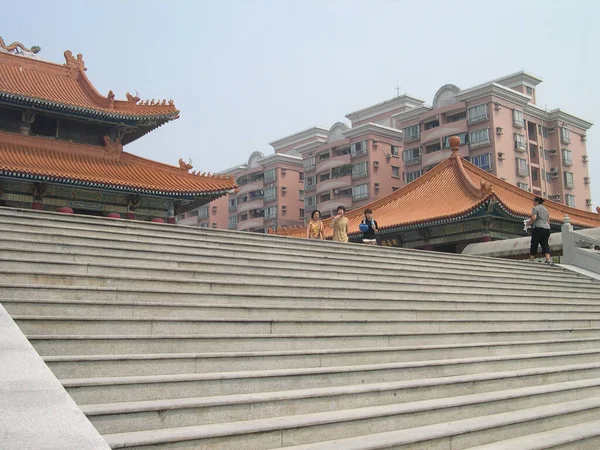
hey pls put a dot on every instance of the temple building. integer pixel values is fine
(452, 205)
(61, 145)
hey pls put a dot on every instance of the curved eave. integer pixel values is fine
(113, 187)
(504, 211)
(81, 111)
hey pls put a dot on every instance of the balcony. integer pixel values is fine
(250, 223)
(334, 183)
(413, 161)
(334, 162)
(448, 129)
(254, 186)
(253, 204)
(334, 203)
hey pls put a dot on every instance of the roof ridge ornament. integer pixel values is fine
(16, 48)
(74, 65)
(485, 188)
(185, 166)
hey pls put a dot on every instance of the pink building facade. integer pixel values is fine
(503, 131)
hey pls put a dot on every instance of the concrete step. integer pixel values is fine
(178, 238)
(244, 311)
(579, 399)
(48, 345)
(28, 250)
(289, 286)
(582, 436)
(463, 434)
(110, 265)
(99, 389)
(171, 413)
(114, 365)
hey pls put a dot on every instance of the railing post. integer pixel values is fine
(568, 243)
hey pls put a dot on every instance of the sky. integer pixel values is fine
(247, 72)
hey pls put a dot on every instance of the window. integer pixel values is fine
(242, 180)
(324, 176)
(548, 177)
(301, 196)
(256, 177)
(412, 176)
(323, 156)
(411, 133)
(522, 167)
(523, 186)
(432, 124)
(325, 197)
(203, 212)
(270, 194)
(567, 161)
(482, 161)
(232, 203)
(565, 135)
(358, 148)
(529, 90)
(271, 212)
(545, 132)
(342, 151)
(433, 148)
(478, 113)
(310, 183)
(243, 217)
(394, 150)
(456, 117)
(518, 118)
(270, 175)
(396, 172)
(411, 156)
(309, 163)
(571, 200)
(300, 176)
(310, 202)
(301, 213)
(359, 170)
(214, 224)
(256, 194)
(359, 192)
(569, 183)
(341, 171)
(520, 142)
(479, 138)
(534, 175)
(463, 139)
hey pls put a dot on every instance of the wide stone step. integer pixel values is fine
(580, 436)
(296, 248)
(316, 427)
(47, 345)
(246, 311)
(180, 363)
(463, 434)
(221, 283)
(171, 413)
(156, 387)
(22, 251)
(55, 325)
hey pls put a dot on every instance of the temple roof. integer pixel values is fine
(30, 81)
(452, 190)
(109, 168)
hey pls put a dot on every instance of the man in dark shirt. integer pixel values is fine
(372, 228)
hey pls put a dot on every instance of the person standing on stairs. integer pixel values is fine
(371, 228)
(314, 228)
(340, 225)
(540, 230)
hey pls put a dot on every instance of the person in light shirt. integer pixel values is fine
(540, 230)
(340, 225)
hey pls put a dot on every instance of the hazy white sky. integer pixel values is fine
(247, 72)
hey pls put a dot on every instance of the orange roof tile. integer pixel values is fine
(66, 87)
(452, 189)
(51, 161)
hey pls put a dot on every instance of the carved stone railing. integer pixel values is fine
(579, 249)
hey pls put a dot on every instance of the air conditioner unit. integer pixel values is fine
(551, 130)
(388, 156)
(497, 106)
(271, 185)
(375, 143)
(214, 208)
(554, 172)
(555, 197)
(283, 188)
(499, 131)
(551, 151)
(283, 170)
(585, 158)
(583, 138)
(501, 156)
(283, 207)
(336, 191)
(375, 163)
(376, 185)
(587, 180)
(588, 202)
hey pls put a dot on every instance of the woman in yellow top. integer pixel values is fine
(314, 229)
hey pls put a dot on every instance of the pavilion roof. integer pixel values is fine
(452, 190)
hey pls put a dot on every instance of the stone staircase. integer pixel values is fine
(176, 338)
